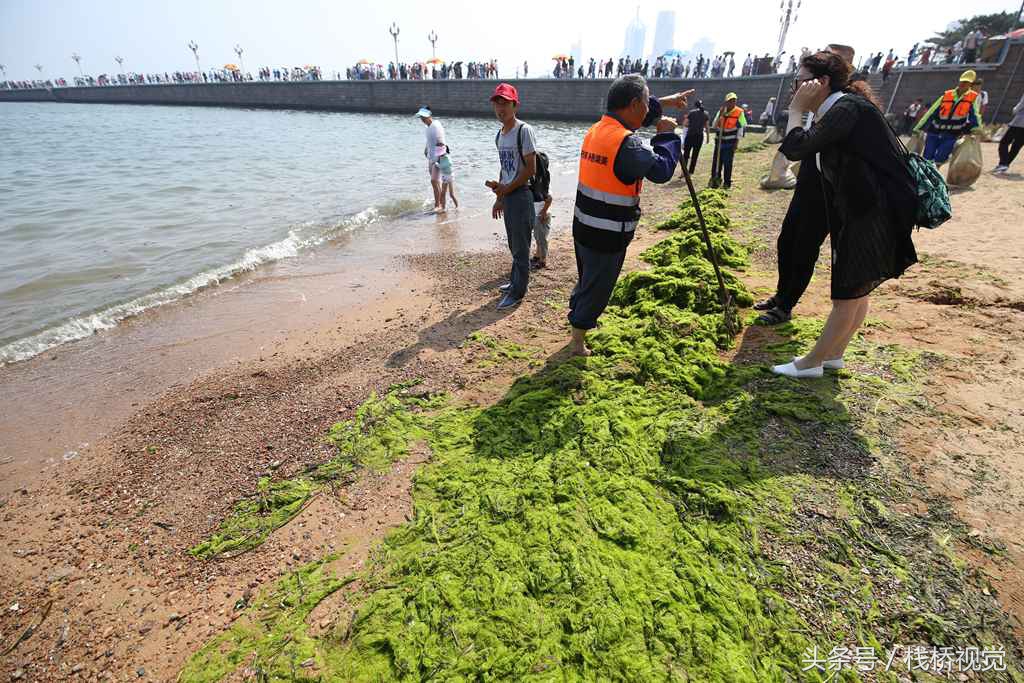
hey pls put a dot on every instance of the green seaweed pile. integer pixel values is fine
(753, 147)
(603, 521)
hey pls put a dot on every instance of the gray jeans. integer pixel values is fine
(598, 272)
(520, 217)
(541, 230)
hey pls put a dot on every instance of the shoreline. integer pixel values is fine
(166, 253)
(83, 389)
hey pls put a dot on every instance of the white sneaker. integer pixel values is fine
(1000, 169)
(834, 364)
(791, 370)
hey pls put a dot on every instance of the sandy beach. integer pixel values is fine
(114, 467)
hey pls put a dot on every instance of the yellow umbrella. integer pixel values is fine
(560, 56)
(435, 60)
(231, 67)
(364, 61)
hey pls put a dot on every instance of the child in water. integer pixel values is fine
(444, 164)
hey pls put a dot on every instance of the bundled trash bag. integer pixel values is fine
(781, 177)
(916, 145)
(965, 162)
(774, 137)
(1000, 133)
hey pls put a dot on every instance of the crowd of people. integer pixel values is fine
(435, 69)
(671, 66)
(666, 66)
(229, 74)
(33, 84)
(965, 51)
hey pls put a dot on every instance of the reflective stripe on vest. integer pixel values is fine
(729, 125)
(952, 114)
(603, 201)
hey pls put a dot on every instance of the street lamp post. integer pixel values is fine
(78, 60)
(432, 37)
(239, 51)
(788, 18)
(120, 63)
(39, 68)
(393, 30)
(3, 70)
(195, 51)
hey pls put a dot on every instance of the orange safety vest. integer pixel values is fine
(729, 125)
(953, 114)
(603, 202)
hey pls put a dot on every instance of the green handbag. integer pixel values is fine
(933, 207)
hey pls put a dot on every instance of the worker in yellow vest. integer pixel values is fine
(956, 113)
(728, 125)
(614, 161)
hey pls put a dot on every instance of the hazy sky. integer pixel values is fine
(152, 35)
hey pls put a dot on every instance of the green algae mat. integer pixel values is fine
(650, 513)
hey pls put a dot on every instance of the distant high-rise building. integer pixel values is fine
(576, 51)
(664, 33)
(636, 35)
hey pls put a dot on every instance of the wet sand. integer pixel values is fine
(55, 407)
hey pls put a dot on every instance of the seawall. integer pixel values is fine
(570, 99)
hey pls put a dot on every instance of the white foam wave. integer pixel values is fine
(87, 325)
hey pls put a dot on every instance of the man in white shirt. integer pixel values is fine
(971, 43)
(434, 149)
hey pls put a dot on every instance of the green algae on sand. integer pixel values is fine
(605, 520)
(567, 528)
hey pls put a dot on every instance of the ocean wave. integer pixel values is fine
(299, 239)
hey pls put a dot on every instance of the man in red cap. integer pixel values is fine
(517, 155)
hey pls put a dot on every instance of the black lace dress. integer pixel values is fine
(870, 195)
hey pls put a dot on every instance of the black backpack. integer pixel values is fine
(540, 183)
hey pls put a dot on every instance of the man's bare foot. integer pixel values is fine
(455, 202)
(580, 350)
(578, 343)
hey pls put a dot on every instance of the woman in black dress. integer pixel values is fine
(870, 199)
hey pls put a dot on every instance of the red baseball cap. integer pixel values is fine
(506, 91)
